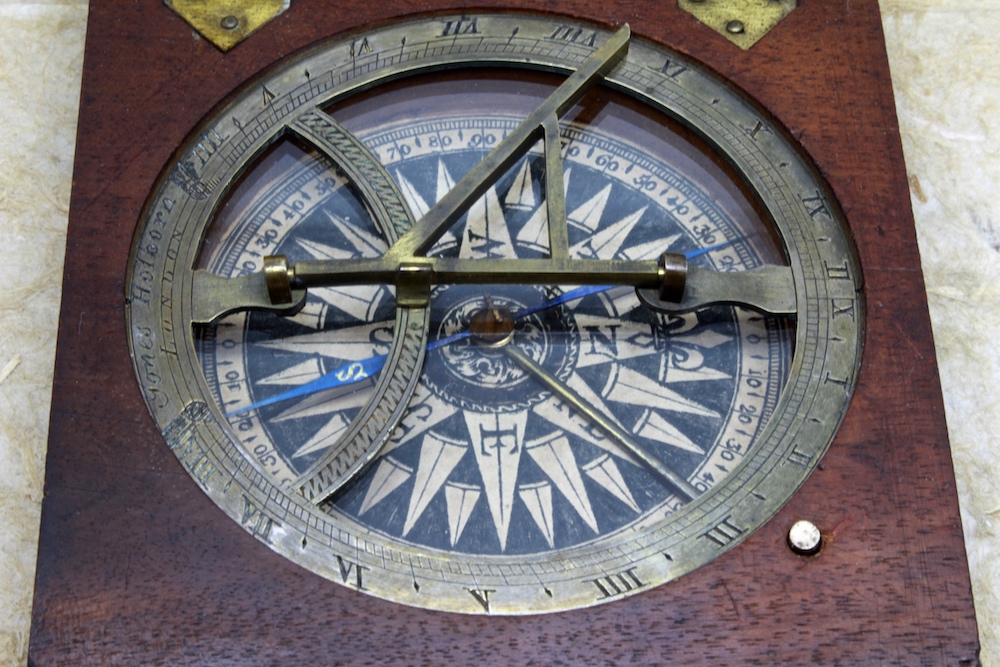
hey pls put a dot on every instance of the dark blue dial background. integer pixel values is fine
(564, 340)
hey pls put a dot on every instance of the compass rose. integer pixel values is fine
(482, 434)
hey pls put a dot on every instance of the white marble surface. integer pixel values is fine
(41, 54)
(944, 59)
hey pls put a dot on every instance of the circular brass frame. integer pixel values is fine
(829, 332)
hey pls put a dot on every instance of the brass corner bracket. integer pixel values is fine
(742, 22)
(226, 23)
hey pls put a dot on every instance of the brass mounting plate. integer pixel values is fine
(226, 23)
(742, 22)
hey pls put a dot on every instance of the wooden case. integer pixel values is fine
(137, 566)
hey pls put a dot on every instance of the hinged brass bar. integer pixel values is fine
(768, 289)
(413, 284)
(474, 184)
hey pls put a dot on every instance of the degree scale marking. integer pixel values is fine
(330, 529)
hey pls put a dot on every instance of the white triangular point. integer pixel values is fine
(358, 301)
(522, 193)
(588, 215)
(365, 243)
(444, 185)
(325, 437)
(606, 243)
(583, 390)
(300, 373)
(318, 250)
(329, 401)
(629, 386)
(313, 314)
(497, 443)
(389, 475)
(626, 385)
(538, 499)
(649, 249)
(535, 232)
(354, 342)
(653, 426)
(605, 339)
(686, 364)
(486, 233)
(444, 181)
(605, 472)
(554, 456)
(566, 418)
(706, 338)
(426, 411)
(620, 301)
(417, 205)
(438, 457)
(460, 500)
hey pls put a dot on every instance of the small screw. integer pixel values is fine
(230, 23)
(804, 538)
(735, 27)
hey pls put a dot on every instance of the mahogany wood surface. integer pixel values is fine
(137, 566)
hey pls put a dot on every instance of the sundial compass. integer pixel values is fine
(499, 318)
(588, 409)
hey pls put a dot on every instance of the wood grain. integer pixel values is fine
(137, 566)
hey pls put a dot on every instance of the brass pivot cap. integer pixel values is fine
(277, 276)
(672, 275)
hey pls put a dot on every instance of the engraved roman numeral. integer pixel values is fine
(617, 584)
(266, 95)
(842, 307)
(363, 47)
(723, 533)
(565, 33)
(752, 133)
(798, 457)
(482, 596)
(208, 145)
(843, 382)
(194, 458)
(672, 69)
(182, 440)
(462, 26)
(202, 468)
(816, 205)
(840, 272)
(349, 568)
(254, 520)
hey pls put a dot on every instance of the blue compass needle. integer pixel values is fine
(358, 370)
(338, 377)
